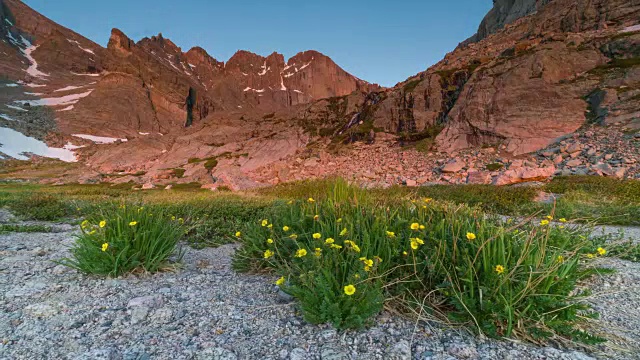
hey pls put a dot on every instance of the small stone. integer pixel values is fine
(148, 186)
(333, 352)
(411, 182)
(298, 354)
(453, 166)
(168, 187)
(216, 353)
(399, 351)
(152, 301)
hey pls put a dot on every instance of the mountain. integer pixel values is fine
(524, 98)
(143, 86)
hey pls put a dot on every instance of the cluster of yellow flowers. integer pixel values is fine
(352, 245)
(600, 251)
(415, 243)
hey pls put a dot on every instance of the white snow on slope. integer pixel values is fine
(8, 21)
(11, 85)
(69, 88)
(70, 107)
(98, 139)
(64, 100)
(81, 48)
(33, 68)
(282, 87)
(250, 89)
(15, 144)
(34, 85)
(633, 28)
(85, 74)
(7, 117)
(15, 107)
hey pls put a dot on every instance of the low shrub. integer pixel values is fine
(41, 207)
(341, 257)
(124, 239)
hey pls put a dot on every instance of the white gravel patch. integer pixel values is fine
(207, 311)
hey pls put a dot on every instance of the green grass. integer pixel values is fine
(18, 228)
(346, 255)
(124, 239)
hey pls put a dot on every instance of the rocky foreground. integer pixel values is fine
(207, 311)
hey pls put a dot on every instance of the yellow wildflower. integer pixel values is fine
(173, 218)
(405, 253)
(422, 227)
(92, 232)
(334, 246)
(133, 223)
(391, 234)
(428, 200)
(544, 222)
(343, 232)
(549, 217)
(84, 224)
(414, 245)
(563, 220)
(339, 220)
(367, 262)
(293, 236)
(285, 228)
(103, 223)
(270, 226)
(329, 241)
(356, 276)
(280, 281)
(318, 252)
(560, 258)
(105, 246)
(601, 251)
(367, 268)
(499, 269)
(269, 241)
(377, 258)
(268, 254)
(418, 240)
(317, 236)
(311, 200)
(415, 226)
(471, 236)
(316, 217)
(181, 220)
(349, 290)
(301, 253)
(590, 256)
(355, 248)
(238, 234)
(265, 222)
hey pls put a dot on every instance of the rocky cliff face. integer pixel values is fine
(144, 86)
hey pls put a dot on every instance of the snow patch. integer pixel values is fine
(64, 100)
(7, 117)
(80, 46)
(34, 85)
(629, 29)
(143, 133)
(70, 107)
(264, 69)
(304, 66)
(33, 68)
(33, 94)
(85, 74)
(282, 87)
(298, 91)
(69, 88)
(70, 146)
(289, 75)
(251, 89)
(16, 144)
(98, 139)
(15, 107)
(191, 65)
(8, 21)
(11, 85)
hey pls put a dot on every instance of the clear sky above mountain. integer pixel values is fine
(379, 41)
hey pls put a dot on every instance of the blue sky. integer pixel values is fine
(379, 41)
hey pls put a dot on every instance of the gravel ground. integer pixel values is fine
(207, 311)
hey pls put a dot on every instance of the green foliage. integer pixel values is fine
(119, 240)
(210, 164)
(17, 228)
(494, 166)
(179, 172)
(41, 207)
(447, 260)
(411, 85)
